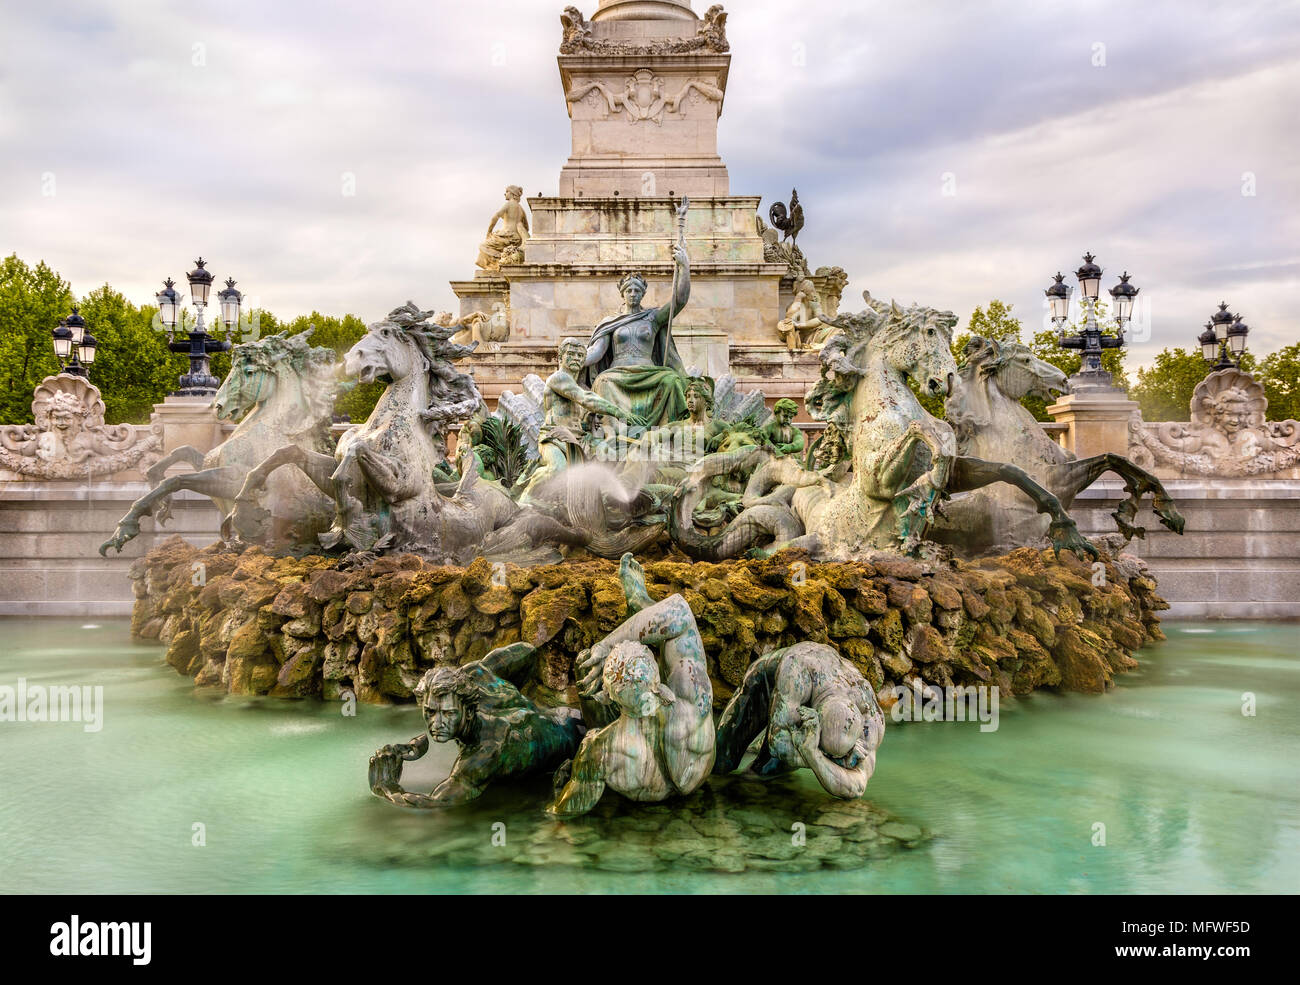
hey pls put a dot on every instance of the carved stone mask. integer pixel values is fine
(1231, 414)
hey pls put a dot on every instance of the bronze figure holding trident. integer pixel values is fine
(632, 361)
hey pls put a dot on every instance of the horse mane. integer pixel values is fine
(884, 323)
(981, 359)
(314, 367)
(970, 406)
(453, 395)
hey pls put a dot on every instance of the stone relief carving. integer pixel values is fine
(69, 438)
(833, 280)
(710, 35)
(1227, 436)
(775, 251)
(643, 96)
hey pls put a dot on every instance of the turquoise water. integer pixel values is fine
(1194, 795)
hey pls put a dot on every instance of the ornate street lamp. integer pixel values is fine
(1058, 295)
(74, 347)
(1209, 343)
(1223, 342)
(230, 299)
(169, 304)
(1237, 333)
(1089, 275)
(1091, 340)
(199, 381)
(1123, 295)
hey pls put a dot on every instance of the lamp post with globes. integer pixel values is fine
(1091, 340)
(74, 347)
(199, 381)
(1224, 339)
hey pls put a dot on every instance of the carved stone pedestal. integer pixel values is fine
(188, 421)
(1097, 421)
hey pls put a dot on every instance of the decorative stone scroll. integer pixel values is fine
(1227, 436)
(69, 439)
(710, 35)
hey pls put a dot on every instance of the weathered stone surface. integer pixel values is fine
(299, 627)
(544, 611)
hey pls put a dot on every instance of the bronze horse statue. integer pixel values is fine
(991, 422)
(906, 462)
(384, 476)
(279, 389)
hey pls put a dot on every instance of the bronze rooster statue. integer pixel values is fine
(788, 224)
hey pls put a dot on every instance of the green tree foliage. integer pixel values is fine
(1279, 372)
(339, 334)
(995, 323)
(1164, 389)
(133, 368)
(33, 300)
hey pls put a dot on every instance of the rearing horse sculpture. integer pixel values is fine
(991, 422)
(905, 461)
(382, 476)
(279, 388)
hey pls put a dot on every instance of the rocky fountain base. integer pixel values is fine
(252, 623)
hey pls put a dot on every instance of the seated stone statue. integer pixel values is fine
(632, 360)
(488, 331)
(505, 246)
(814, 709)
(561, 441)
(781, 431)
(501, 733)
(802, 326)
(652, 670)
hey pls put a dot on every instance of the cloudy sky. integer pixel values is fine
(1162, 136)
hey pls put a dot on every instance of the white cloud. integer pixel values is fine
(433, 108)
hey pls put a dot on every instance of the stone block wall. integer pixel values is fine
(1238, 557)
(50, 534)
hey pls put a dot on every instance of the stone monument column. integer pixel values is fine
(644, 83)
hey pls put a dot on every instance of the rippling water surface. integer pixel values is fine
(1194, 796)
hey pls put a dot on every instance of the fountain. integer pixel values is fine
(645, 539)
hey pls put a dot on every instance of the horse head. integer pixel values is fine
(406, 342)
(1012, 368)
(280, 365)
(917, 342)
(251, 379)
(388, 352)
